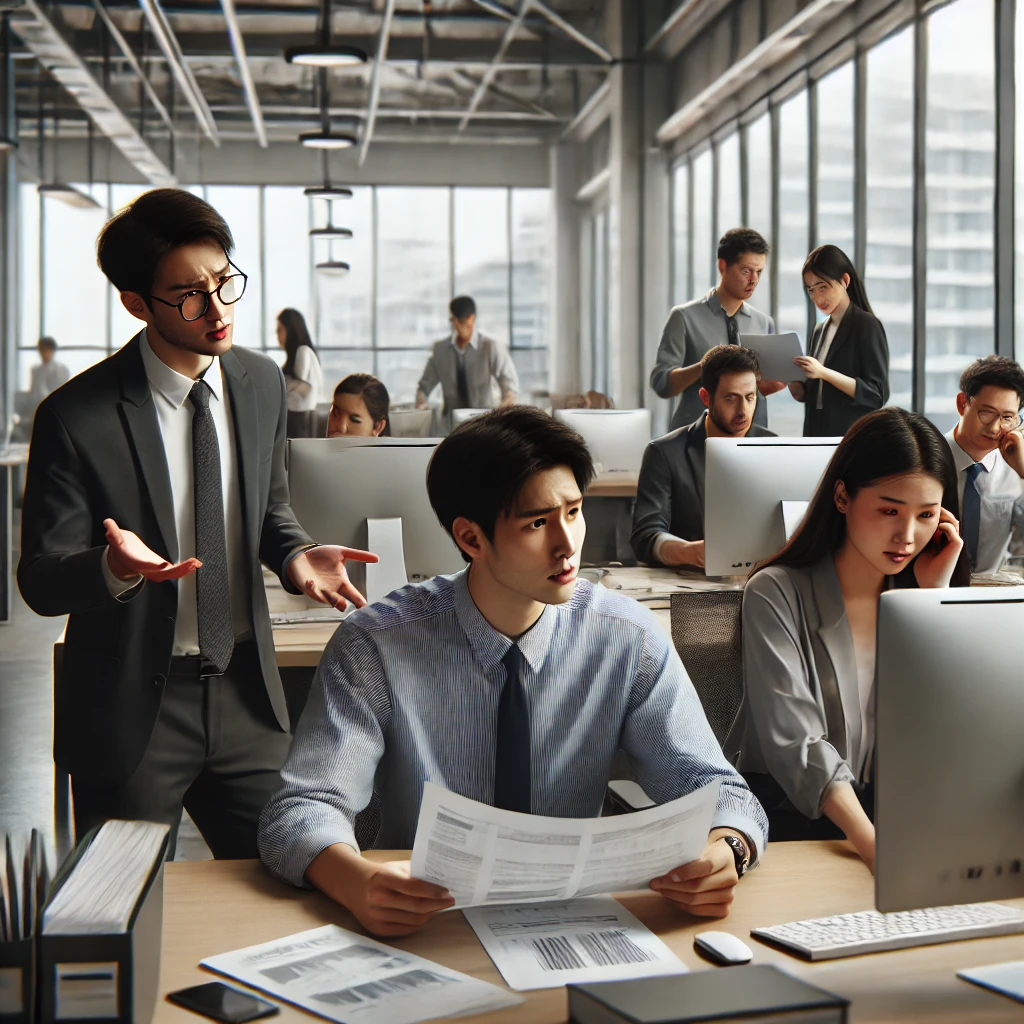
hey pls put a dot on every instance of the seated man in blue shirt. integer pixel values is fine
(512, 683)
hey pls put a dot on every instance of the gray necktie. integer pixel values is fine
(213, 597)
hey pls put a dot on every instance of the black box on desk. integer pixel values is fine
(754, 994)
(104, 979)
(18, 981)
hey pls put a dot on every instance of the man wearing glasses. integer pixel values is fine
(156, 486)
(988, 449)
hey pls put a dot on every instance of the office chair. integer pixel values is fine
(321, 414)
(706, 634)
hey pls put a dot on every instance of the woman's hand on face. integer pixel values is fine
(934, 566)
(811, 366)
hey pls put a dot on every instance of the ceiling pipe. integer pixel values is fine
(492, 68)
(252, 99)
(374, 101)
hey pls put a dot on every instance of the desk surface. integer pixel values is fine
(613, 485)
(215, 906)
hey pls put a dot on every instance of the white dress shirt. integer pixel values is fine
(1002, 503)
(170, 391)
(307, 371)
(47, 377)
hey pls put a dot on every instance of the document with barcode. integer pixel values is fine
(483, 855)
(545, 945)
(351, 979)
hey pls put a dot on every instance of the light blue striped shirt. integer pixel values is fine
(408, 691)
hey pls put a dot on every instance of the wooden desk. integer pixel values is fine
(216, 906)
(613, 485)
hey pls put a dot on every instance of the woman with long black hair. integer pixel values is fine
(847, 361)
(882, 516)
(302, 372)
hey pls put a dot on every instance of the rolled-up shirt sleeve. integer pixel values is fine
(671, 353)
(328, 777)
(790, 726)
(673, 747)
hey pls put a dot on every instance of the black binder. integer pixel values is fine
(104, 979)
(22, 891)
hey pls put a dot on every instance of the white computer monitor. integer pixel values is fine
(746, 483)
(411, 422)
(949, 747)
(461, 415)
(616, 437)
(371, 492)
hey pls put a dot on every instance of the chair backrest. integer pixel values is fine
(321, 415)
(706, 634)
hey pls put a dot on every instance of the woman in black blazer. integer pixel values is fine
(847, 361)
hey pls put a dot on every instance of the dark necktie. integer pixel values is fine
(733, 330)
(213, 599)
(970, 518)
(512, 750)
(460, 379)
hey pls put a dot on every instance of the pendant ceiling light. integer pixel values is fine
(327, 191)
(323, 53)
(55, 188)
(330, 267)
(326, 139)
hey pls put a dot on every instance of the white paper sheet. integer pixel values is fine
(775, 353)
(545, 945)
(483, 855)
(349, 978)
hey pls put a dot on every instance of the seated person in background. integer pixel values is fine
(988, 449)
(882, 516)
(512, 683)
(670, 492)
(49, 374)
(474, 371)
(360, 408)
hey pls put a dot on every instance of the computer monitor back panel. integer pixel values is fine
(338, 483)
(745, 482)
(616, 437)
(949, 771)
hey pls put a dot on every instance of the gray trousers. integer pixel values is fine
(216, 750)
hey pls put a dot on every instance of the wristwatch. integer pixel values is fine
(739, 851)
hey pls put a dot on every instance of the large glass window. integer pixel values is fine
(785, 415)
(835, 159)
(1018, 262)
(482, 257)
(704, 263)
(759, 176)
(960, 184)
(681, 291)
(286, 260)
(888, 269)
(727, 166)
(240, 207)
(530, 248)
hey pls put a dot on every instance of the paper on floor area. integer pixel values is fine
(544, 945)
(349, 978)
(483, 855)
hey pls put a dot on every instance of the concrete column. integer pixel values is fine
(566, 339)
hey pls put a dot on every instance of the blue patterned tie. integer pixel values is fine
(970, 515)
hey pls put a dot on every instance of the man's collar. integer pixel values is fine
(964, 460)
(472, 343)
(712, 300)
(488, 644)
(174, 386)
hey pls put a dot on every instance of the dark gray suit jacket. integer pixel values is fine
(670, 491)
(97, 453)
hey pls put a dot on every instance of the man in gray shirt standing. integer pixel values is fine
(719, 318)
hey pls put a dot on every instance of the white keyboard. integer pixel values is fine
(826, 938)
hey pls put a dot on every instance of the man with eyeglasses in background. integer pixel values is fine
(156, 486)
(988, 449)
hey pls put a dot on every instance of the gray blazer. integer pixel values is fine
(800, 719)
(670, 491)
(490, 373)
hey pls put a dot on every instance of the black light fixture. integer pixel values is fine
(323, 53)
(331, 233)
(57, 189)
(327, 191)
(333, 268)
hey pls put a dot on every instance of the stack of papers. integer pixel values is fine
(104, 886)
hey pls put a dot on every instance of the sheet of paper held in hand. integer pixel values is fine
(775, 353)
(483, 855)
(349, 978)
(544, 945)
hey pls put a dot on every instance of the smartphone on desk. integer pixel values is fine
(222, 1002)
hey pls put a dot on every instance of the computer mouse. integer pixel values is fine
(722, 948)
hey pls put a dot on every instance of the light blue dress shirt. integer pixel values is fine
(408, 691)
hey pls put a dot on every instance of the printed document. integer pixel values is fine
(544, 945)
(349, 978)
(775, 355)
(483, 855)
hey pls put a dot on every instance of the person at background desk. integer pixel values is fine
(49, 374)
(360, 408)
(988, 449)
(156, 487)
(847, 364)
(882, 516)
(512, 683)
(474, 371)
(719, 318)
(668, 518)
(303, 375)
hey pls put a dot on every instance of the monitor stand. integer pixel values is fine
(384, 538)
(792, 515)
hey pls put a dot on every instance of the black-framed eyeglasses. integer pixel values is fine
(1007, 420)
(195, 304)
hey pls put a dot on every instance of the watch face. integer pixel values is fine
(739, 853)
